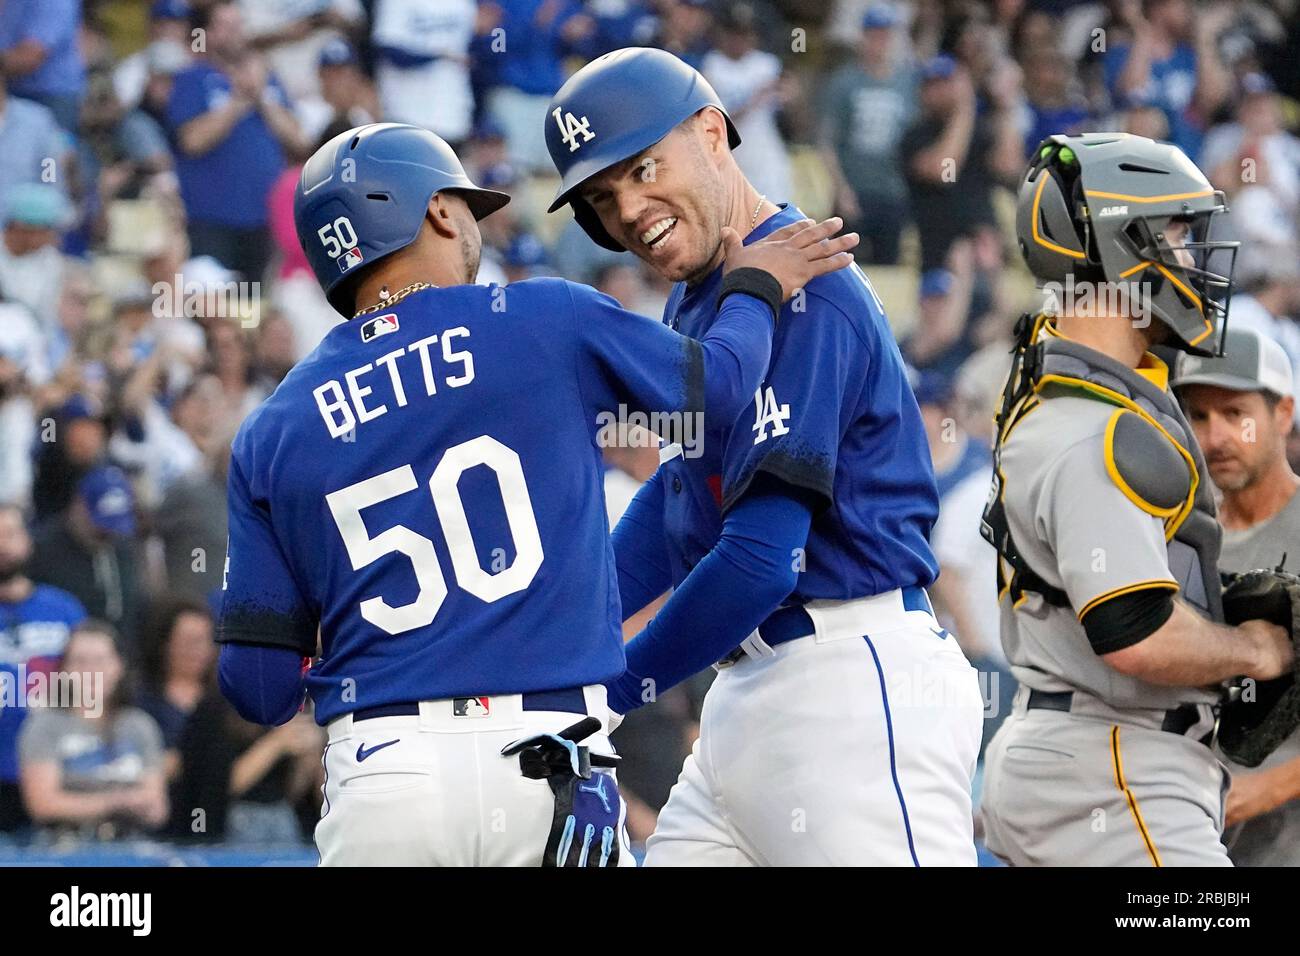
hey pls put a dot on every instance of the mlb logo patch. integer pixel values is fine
(379, 325)
(471, 706)
(349, 260)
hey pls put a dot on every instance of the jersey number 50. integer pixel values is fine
(346, 506)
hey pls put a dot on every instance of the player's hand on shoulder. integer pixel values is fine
(794, 254)
(588, 808)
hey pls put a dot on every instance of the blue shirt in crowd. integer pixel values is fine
(54, 25)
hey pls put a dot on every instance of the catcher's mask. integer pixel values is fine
(1096, 208)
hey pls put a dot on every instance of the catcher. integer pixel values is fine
(1105, 525)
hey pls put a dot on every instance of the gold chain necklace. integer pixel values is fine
(388, 301)
(753, 220)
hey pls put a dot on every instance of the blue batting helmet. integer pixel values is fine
(363, 195)
(614, 107)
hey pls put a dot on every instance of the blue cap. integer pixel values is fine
(525, 251)
(108, 497)
(935, 282)
(169, 10)
(498, 176)
(77, 406)
(337, 52)
(938, 67)
(880, 16)
(933, 388)
(38, 204)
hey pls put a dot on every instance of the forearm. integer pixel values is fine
(736, 350)
(1009, 147)
(254, 764)
(1213, 83)
(1137, 68)
(284, 127)
(203, 133)
(23, 58)
(265, 684)
(48, 802)
(640, 551)
(728, 594)
(1188, 651)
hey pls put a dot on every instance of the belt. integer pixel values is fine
(571, 700)
(791, 623)
(1179, 720)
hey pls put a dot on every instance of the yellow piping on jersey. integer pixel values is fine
(1128, 589)
(1129, 798)
(1108, 453)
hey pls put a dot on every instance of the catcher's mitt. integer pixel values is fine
(1260, 715)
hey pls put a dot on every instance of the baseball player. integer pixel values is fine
(1241, 409)
(844, 723)
(424, 491)
(1105, 526)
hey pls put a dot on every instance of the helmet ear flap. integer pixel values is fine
(1055, 219)
(590, 223)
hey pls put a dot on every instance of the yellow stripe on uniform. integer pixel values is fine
(1129, 798)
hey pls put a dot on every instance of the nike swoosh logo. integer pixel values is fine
(363, 753)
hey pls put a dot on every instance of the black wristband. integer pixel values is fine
(756, 282)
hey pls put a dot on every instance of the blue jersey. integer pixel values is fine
(836, 417)
(33, 634)
(426, 488)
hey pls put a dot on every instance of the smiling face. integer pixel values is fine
(667, 204)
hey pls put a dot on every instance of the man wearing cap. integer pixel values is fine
(346, 97)
(31, 264)
(422, 63)
(88, 549)
(169, 29)
(1241, 407)
(953, 161)
(866, 109)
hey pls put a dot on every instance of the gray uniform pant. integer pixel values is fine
(1100, 789)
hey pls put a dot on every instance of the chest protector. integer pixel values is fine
(1150, 454)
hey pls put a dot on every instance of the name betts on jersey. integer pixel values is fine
(343, 405)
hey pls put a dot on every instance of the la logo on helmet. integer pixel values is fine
(570, 126)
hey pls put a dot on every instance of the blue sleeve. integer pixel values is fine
(265, 684)
(1112, 64)
(188, 98)
(640, 551)
(261, 603)
(738, 584)
(792, 427)
(629, 359)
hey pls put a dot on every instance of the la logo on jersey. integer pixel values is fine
(379, 325)
(349, 260)
(769, 414)
(570, 128)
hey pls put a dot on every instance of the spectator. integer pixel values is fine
(1256, 162)
(525, 258)
(39, 54)
(93, 765)
(32, 143)
(953, 162)
(169, 35)
(1267, 299)
(249, 782)
(1055, 103)
(23, 370)
(31, 265)
(684, 29)
(748, 81)
(88, 550)
(538, 34)
(942, 339)
(292, 34)
(422, 64)
(35, 621)
(233, 126)
(868, 104)
(1172, 62)
(191, 525)
(179, 667)
(346, 98)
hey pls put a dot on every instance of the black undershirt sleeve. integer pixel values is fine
(1123, 621)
